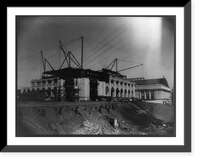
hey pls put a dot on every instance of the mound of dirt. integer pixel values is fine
(100, 118)
(160, 111)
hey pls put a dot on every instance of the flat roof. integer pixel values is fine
(162, 81)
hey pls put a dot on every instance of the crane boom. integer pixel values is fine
(129, 68)
(69, 54)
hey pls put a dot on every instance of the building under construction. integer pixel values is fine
(79, 84)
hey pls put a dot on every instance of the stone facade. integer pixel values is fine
(84, 86)
(119, 87)
(116, 87)
(153, 90)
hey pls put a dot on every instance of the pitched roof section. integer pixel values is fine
(162, 81)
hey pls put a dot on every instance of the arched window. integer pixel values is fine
(121, 91)
(112, 91)
(107, 90)
(128, 93)
(117, 92)
(142, 94)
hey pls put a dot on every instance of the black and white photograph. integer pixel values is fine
(95, 76)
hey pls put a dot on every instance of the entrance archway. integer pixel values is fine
(117, 92)
(112, 91)
(121, 92)
(125, 92)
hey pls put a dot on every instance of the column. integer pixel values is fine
(99, 89)
(39, 85)
(155, 95)
(46, 84)
(140, 95)
(103, 88)
(133, 93)
(61, 90)
(145, 95)
(114, 93)
(150, 95)
(52, 86)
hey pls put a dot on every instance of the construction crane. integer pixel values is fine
(115, 63)
(129, 68)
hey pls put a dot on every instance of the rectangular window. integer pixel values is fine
(142, 94)
(147, 95)
(152, 95)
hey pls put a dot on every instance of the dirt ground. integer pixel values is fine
(94, 118)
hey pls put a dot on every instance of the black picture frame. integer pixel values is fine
(127, 148)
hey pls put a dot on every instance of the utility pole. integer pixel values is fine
(82, 52)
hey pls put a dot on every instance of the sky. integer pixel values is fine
(132, 40)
